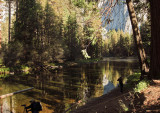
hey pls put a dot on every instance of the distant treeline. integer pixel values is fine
(118, 43)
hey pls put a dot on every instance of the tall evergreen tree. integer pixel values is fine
(26, 26)
(71, 37)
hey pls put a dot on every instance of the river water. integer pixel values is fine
(58, 91)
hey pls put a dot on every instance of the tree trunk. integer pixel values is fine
(155, 39)
(0, 21)
(9, 25)
(16, 9)
(138, 41)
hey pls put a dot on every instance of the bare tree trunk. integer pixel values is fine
(16, 9)
(155, 39)
(9, 25)
(0, 22)
(0, 36)
(138, 41)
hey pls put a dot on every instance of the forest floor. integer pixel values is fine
(147, 101)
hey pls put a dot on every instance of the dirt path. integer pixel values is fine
(150, 98)
(114, 102)
(104, 104)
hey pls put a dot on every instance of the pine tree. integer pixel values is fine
(25, 28)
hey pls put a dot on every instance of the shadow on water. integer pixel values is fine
(58, 91)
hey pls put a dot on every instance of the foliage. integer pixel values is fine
(141, 85)
(118, 43)
(79, 3)
(94, 48)
(13, 55)
(45, 33)
(4, 71)
(85, 54)
(142, 9)
(133, 78)
(71, 38)
(134, 82)
(25, 29)
(4, 76)
(145, 30)
(84, 3)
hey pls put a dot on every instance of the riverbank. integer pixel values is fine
(104, 59)
(145, 101)
(54, 67)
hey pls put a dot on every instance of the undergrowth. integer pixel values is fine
(136, 84)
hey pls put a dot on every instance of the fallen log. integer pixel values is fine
(11, 94)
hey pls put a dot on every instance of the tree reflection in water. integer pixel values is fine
(58, 91)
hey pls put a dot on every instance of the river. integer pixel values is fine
(58, 91)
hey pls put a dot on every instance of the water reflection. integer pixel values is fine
(58, 91)
(108, 86)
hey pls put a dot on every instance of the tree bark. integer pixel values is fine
(155, 39)
(16, 9)
(9, 25)
(138, 41)
(0, 22)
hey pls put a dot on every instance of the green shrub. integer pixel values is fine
(2, 69)
(132, 80)
(4, 76)
(141, 85)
